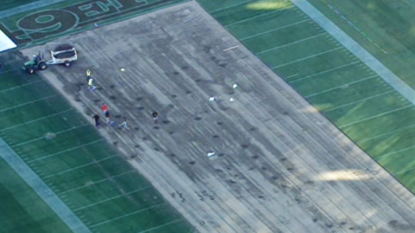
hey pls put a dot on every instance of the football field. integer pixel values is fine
(58, 172)
(374, 114)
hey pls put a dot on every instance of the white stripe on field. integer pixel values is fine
(34, 181)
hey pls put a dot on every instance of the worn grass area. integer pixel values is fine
(337, 83)
(102, 189)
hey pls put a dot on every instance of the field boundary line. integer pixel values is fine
(341, 86)
(357, 50)
(37, 184)
(275, 29)
(291, 43)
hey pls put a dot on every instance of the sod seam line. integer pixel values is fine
(275, 29)
(358, 101)
(388, 133)
(112, 198)
(129, 214)
(356, 49)
(35, 120)
(17, 87)
(256, 16)
(325, 71)
(43, 190)
(230, 6)
(341, 86)
(30, 102)
(375, 116)
(80, 166)
(43, 137)
(160, 226)
(64, 151)
(305, 58)
(98, 181)
(291, 43)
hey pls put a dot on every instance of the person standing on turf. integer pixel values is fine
(91, 85)
(97, 121)
(155, 116)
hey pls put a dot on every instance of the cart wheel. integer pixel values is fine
(30, 70)
(67, 63)
(43, 66)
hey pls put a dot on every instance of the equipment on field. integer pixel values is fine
(62, 55)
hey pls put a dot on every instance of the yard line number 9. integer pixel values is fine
(51, 22)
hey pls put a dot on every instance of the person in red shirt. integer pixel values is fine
(104, 108)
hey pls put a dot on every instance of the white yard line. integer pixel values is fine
(256, 16)
(403, 171)
(50, 198)
(292, 43)
(129, 214)
(356, 49)
(325, 71)
(80, 166)
(358, 101)
(340, 87)
(112, 198)
(97, 182)
(160, 226)
(64, 151)
(388, 133)
(394, 152)
(275, 29)
(375, 116)
(43, 137)
(17, 87)
(305, 58)
(230, 6)
(35, 120)
(30, 102)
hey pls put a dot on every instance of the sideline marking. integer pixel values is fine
(37, 184)
(356, 49)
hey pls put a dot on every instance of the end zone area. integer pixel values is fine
(279, 165)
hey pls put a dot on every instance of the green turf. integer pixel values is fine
(9, 4)
(336, 82)
(90, 177)
(21, 209)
